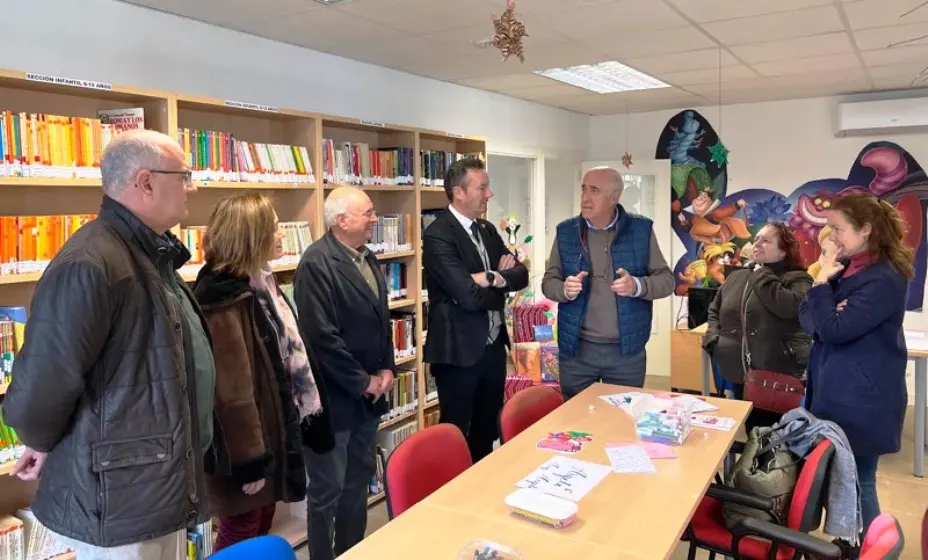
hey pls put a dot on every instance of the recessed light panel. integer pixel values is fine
(604, 77)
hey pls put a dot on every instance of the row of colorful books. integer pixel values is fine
(60, 147)
(220, 156)
(357, 163)
(297, 237)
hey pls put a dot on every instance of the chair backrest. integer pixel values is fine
(423, 463)
(270, 547)
(525, 408)
(884, 539)
(805, 509)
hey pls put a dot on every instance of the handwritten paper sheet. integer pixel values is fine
(654, 450)
(629, 459)
(565, 477)
(720, 423)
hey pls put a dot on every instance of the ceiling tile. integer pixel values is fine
(881, 13)
(681, 62)
(538, 35)
(420, 16)
(632, 43)
(390, 53)
(775, 27)
(528, 7)
(507, 81)
(896, 55)
(231, 13)
(801, 66)
(896, 76)
(543, 92)
(910, 35)
(584, 21)
(703, 11)
(321, 29)
(818, 45)
(707, 76)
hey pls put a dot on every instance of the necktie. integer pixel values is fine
(494, 316)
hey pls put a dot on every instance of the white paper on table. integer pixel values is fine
(629, 459)
(565, 477)
(699, 405)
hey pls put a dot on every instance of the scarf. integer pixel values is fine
(277, 309)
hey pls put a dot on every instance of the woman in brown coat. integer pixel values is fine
(770, 294)
(268, 401)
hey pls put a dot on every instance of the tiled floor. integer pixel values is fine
(901, 494)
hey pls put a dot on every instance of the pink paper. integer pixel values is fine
(654, 450)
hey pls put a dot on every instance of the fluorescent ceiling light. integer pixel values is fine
(604, 77)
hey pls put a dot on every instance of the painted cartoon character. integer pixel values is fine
(687, 137)
(709, 268)
(711, 221)
(827, 246)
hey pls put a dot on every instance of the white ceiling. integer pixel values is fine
(768, 49)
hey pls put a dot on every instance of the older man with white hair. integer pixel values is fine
(112, 392)
(605, 270)
(341, 299)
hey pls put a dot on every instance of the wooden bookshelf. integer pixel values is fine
(401, 191)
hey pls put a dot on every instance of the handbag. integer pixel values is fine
(768, 390)
(766, 468)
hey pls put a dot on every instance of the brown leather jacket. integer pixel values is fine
(258, 433)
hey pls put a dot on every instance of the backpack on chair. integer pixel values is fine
(766, 468)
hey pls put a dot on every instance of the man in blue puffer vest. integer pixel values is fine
(605, 270)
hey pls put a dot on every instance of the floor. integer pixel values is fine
(901, 494)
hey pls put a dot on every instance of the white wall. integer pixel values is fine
(120, 43)
(773, 145)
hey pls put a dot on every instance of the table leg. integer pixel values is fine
(921, 400)
(706, 372)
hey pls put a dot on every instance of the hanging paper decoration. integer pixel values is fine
(509, 33)
(719, 153)
(627, 160)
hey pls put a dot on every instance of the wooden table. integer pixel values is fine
(428, 532)
(628, 515)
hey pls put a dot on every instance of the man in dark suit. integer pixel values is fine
(469, 271)
(341, 299)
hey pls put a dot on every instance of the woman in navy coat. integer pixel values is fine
(854, 313)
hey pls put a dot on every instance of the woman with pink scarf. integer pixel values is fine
(268, 402)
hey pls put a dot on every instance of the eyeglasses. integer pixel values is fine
(367, 214)
(185, 173)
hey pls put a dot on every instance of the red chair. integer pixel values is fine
(708, 531)
(884, 540)
(525, 408)
(925, 536)
(423, 463)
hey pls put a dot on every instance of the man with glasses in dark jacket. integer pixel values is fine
(112, 392)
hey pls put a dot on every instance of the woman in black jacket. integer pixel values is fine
(768, 332)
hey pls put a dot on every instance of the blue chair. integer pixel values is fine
(270, 547)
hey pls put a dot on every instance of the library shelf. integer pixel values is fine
(401, 303)
(397, 166)
(406, 359)
(249, 185)
(395, 255)
(376, 499)
(404, 417)
(49, 182)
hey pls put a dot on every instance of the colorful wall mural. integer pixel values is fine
(716, 228)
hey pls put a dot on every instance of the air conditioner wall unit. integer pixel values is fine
(886, 116)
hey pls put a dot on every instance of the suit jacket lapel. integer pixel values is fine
(465, 239)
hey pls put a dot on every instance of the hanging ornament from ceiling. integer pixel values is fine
(508, 34)
(627, 160)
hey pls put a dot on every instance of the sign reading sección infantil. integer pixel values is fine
(58, 80)
(372, 123)
(251, 106)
